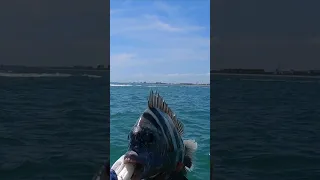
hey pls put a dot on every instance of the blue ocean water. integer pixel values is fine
(190, 103)
(265, 128)
(53, 125)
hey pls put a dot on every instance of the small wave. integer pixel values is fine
(120, 85)
(157, 86)
(34, 75)
(91, 76)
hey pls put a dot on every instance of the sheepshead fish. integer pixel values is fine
(156, 148)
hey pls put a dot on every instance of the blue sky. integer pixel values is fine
(167, 41)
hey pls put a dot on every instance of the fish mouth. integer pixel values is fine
(139, 163)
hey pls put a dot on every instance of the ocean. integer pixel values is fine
(265, 128)
(53, 125)
(190, 103)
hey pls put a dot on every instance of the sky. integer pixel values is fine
(265, 34)
(161, 40)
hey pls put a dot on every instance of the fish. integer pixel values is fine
(156, 149)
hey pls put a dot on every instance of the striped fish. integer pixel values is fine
(155, 145)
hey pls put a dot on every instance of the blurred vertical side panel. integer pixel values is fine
(54, 89)
(212, 14)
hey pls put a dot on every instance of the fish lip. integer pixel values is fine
(133, 157)
(140, 164)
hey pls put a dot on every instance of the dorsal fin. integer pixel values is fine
(156, 101)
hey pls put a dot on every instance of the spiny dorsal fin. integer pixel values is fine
(156, 101)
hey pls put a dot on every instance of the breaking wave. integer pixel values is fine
(156, 86)
(120, 85)
(129, 85)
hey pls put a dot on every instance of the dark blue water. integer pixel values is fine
(53, 126)
(265, 128)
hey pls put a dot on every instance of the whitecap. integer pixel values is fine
(120, 85)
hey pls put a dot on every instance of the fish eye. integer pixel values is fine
(148, 137)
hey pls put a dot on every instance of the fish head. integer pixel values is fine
(148, 150)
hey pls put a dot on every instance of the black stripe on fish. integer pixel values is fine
(179, 144)
(149, 117)
(166, 129)
(176, 138)
(159, 124)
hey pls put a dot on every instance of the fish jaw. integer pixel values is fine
(139, 162)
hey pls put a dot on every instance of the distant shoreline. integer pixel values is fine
(266, 75)
(72, 68)
(175, 84)
(75, 69)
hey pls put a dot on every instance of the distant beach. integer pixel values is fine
(162, 83)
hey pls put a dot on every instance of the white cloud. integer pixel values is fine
(130, 26)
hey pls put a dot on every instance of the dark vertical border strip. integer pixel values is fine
(108, 63)
(212, 13)
(286, 36)
(35, 36)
